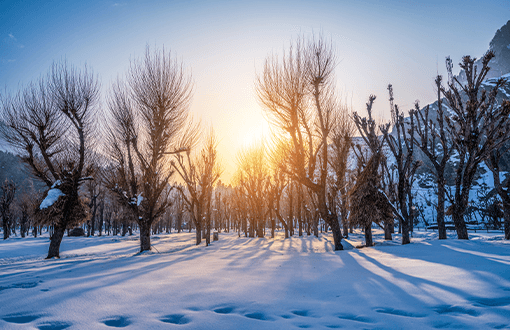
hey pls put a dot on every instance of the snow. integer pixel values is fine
(53, 195)
(136, 200)
(257, 283)
(504, 92)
